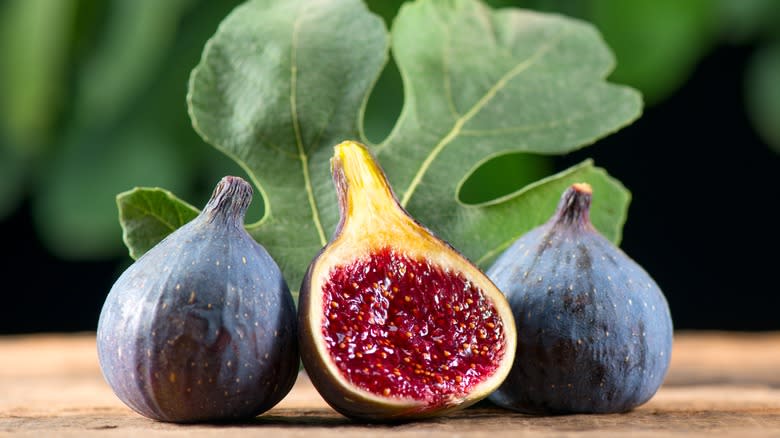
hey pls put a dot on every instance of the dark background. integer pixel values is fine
(704, 215)
(703, 219)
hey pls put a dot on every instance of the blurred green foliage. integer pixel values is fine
(92, 97)
(94, 104)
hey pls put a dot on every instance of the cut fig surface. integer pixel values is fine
(395, 323)
(401, 327)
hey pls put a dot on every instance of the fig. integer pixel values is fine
(395, 324)
(202, 327)
(594, 331)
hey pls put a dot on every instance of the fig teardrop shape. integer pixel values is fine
(202, 327)
(395, 323)
(594, 329)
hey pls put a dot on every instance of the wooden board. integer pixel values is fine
(720, 384)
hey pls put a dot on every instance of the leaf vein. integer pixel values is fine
(474, 110)
(148, 209)
(298, 138)
(485, 15)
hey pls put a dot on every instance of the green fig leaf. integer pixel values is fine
(148, 214)
(282, 82)
(534, 204)
(279, 84)
(486, 82)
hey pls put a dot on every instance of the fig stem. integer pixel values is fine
(229, 201)
(574, 206)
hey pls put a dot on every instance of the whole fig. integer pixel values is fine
(395, 323)
(202, 327)
(594, 331)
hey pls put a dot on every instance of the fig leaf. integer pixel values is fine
(283, 81)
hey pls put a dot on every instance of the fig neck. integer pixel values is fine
(574, 206)
(229, 201)
(365, 196)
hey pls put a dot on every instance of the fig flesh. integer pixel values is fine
(394, 323)
(594, 329)
(202, 327)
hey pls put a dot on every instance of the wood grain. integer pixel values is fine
(720, 384)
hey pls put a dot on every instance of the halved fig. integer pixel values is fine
(395, 324)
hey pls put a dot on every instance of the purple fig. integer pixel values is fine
(594, 331)
(202, 327)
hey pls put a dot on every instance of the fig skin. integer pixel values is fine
(202, 327)
(373, 227)
(594, 329)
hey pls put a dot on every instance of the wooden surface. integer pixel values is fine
(720, 384)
